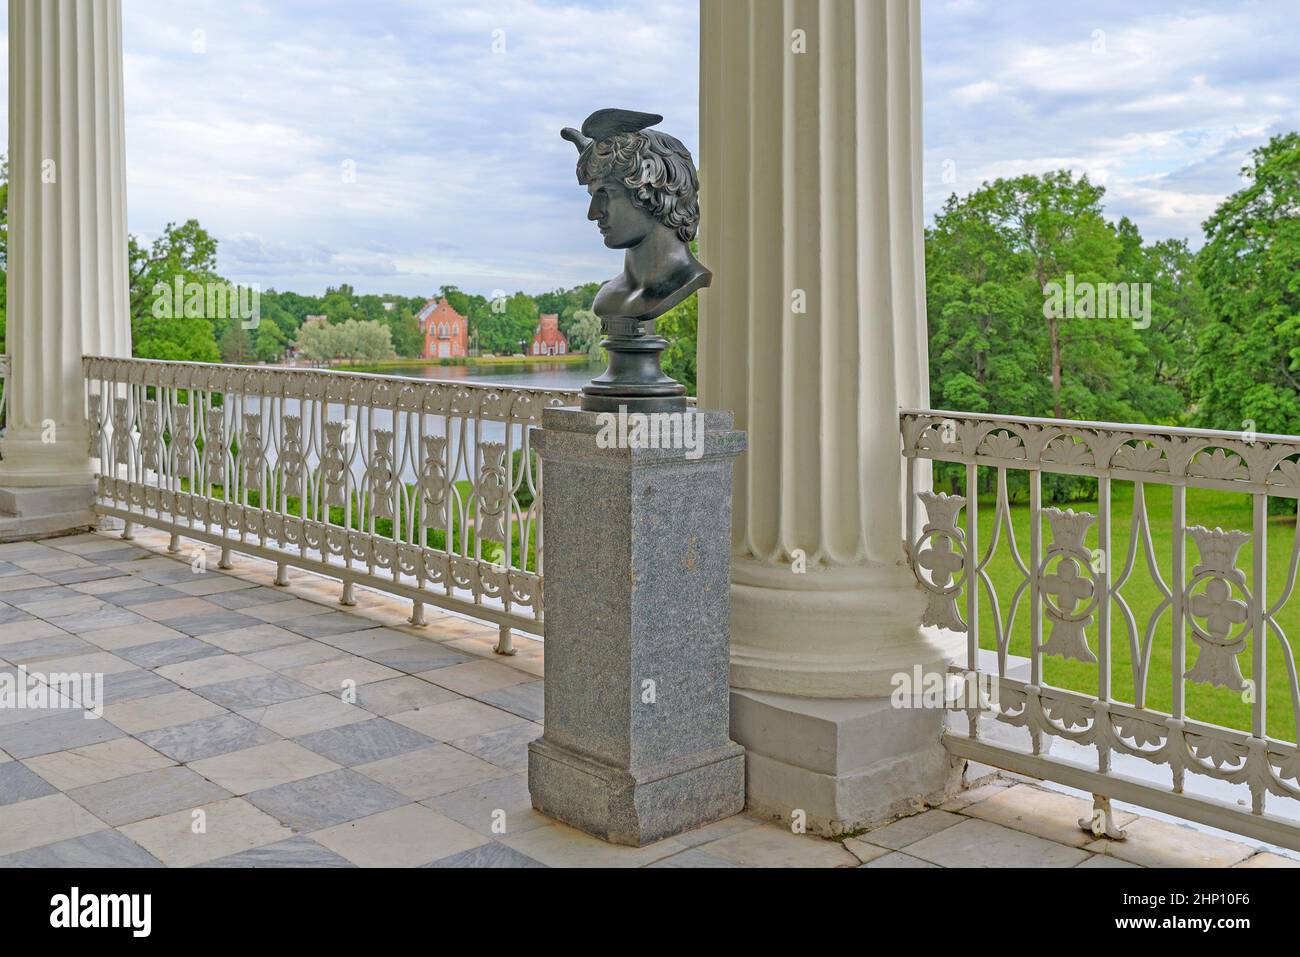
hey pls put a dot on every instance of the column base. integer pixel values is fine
(28, 513)
(844, 763)
(636, 806)
(831, 633)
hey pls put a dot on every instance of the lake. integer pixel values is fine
(463, 464)
(528, 375)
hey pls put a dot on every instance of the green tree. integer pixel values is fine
(318, 342)
(679, 325)
(995, 347)
(584, 332)
(508, 323)
(236, 344)
(186, 252)
(404, 329)
(1247, 367)
(269, 342)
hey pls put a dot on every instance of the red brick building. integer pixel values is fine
(549, 340)
(446, 331)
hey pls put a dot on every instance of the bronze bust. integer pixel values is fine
(645, 200)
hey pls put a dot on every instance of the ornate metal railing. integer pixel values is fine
(427, 490)
(1084, 579)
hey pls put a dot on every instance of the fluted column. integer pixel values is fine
(814, 331)
(67, 229)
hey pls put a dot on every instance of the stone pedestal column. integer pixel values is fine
(814, 333)
(636, 744)
(67, 243)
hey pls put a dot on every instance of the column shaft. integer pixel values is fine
(68, 270)
(814, 334)
(814, 330)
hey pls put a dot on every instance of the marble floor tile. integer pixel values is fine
(300, 851)
(131, 636)
(93, 763)
(402, 837)
(975, 843)
(909, 830)
(211, 670)
(771, 845)
(456, 719)
(207, 737)
(229, 827)
(59, 732)
(506, 747)
(184, 606)
(303, 651)
(499, 805)
(301, 716)
(326, 800)
(200, 625)
(526, 700)
(43, 820)
(406, 693)
(106, 848)
(557, 845)
(259, 691)
(475, 677)
(431, 771)
(160, 711)
(264, 766)
(363, 742)
(1153, 843)
(895, 859)
(320, 625)
(412, 660)
(169, 652)
(242, 641)
(19, 783)
(1048, 814)
(151, 793)
(335, 675)
(490, 854)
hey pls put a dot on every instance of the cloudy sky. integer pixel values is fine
(401, 145)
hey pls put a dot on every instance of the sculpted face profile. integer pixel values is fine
(645, 200)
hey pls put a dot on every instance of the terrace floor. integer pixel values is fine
(231, 736)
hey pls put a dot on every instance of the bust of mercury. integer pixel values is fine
(644, 200)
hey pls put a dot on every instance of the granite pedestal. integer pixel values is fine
(637, 628)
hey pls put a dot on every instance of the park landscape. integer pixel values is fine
(1219, 347)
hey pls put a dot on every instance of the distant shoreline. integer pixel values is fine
(573, 358)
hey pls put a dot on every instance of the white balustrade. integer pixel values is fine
(1213, 601)
(428, 490)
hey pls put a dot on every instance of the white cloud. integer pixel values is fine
(461, 176)
(1160, 102)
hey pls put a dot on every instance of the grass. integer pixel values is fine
(1204, 507)
(462, 538)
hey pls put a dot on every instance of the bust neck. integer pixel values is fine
(660, 254)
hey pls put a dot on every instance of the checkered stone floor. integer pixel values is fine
(249, 725)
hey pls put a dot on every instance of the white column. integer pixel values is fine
(814, 333)
(67, 229)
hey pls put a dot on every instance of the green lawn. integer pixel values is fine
(1209, 508)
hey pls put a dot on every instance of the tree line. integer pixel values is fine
(1218, 344)
(1219, 347)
